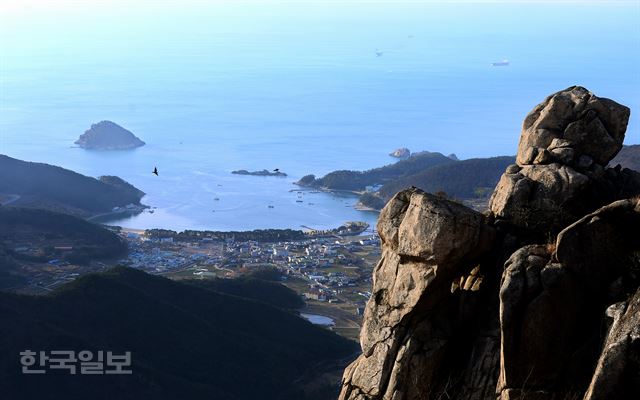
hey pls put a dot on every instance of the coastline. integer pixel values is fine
(327, 190)
(112, 215)
(358, 206)
(325, 200)
(361, 207)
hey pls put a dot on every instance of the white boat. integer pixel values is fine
(502, 63)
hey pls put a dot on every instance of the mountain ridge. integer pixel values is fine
(186, 341)
(41, 185)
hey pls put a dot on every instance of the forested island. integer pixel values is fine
(107, 135)
(264, 172)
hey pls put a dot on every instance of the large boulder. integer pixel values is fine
(427, 241)
(540, 302)
(535, 197)
(574, 119)
(565, 143)
(552, 298)
(598, 246)
(422, 225)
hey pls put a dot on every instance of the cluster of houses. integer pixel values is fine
(159, 258)
(329, 265)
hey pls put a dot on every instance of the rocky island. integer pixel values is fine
(402, 152)
(537, 298)
(107, 135)
(264, 172)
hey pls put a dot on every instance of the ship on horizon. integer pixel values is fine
(502, 63)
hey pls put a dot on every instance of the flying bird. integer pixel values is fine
(155, 171)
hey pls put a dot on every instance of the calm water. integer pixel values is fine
(318, 319)
(295, 86)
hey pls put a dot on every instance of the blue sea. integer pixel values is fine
(296, 85)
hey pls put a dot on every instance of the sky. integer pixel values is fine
(23, 5)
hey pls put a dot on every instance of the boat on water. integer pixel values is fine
(299, 201)
(270, 206)
(502, 63)
(217, 199)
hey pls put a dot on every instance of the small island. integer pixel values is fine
(402, 152)
(107, 135)
(264, 172)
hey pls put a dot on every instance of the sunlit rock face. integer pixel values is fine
(566, 142)
(537, 298)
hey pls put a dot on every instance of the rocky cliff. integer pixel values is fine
(536, 299)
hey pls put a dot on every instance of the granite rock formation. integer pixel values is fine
(566, 142)
(538, 298)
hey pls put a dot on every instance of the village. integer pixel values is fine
(331, 270)
(332, 273)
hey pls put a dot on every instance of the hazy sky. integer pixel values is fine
(14, 5)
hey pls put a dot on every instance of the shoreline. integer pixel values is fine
(327, 190)
(361, 207)
(364, 229)
(357, 206)
(111, 218)
(138, 209)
